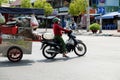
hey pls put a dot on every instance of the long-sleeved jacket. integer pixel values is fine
(57, 29)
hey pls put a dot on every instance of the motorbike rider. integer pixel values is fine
(58, 30)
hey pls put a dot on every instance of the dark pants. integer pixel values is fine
(60, 41)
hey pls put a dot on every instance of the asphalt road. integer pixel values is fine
(102, 62)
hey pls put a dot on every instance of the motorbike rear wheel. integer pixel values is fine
(49, 52)
(80, 49)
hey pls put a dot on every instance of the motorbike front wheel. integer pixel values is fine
(80, 49)
(49, 52)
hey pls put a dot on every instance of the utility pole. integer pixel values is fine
(100, 23)
(102, 11)
(88, 15)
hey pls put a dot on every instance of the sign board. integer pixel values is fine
(55, 12)
(100, 10)
(102, 1)
(63, 9)
(92, 11)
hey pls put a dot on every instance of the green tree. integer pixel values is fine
(77, 7)
(3, 1)
(42, 4)
(0, 2)
(26, 4)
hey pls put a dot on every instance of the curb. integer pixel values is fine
(97, 34)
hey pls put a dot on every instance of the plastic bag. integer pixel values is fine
(33, 22)
(48, 36)
(2, 19)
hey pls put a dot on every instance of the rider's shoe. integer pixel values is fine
(64, 55)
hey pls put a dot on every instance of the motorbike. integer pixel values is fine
(50, 47)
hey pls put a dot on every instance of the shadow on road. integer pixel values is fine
(57, 59)
(13, 64)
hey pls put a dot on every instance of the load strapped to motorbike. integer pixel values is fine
(16, 40)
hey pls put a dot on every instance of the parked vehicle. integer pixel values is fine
(50, 48)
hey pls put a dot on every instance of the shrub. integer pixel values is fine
(94, 26)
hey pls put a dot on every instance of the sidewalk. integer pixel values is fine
(112, 32)
(84, 32)
(104, 33)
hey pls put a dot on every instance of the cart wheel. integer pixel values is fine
(14, 54)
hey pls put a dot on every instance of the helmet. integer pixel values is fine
(56, 19)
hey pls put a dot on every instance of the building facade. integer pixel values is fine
(61, 7)
(108, 5)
